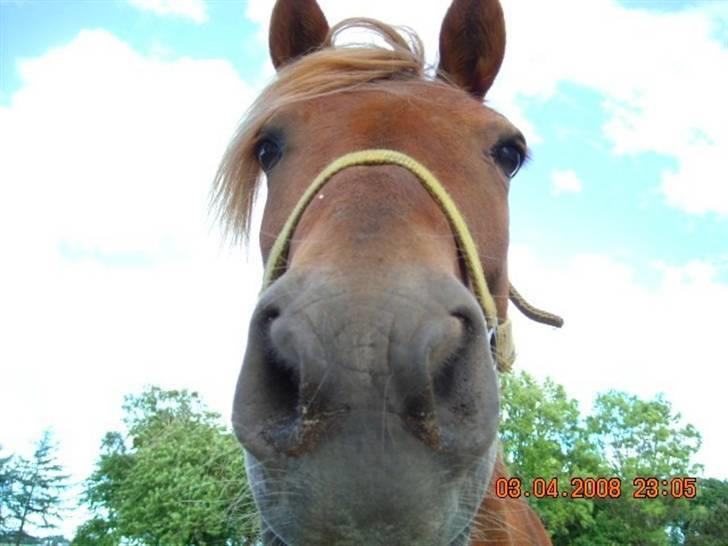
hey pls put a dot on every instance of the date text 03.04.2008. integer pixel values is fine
(681, 487)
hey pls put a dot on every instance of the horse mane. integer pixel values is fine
(330, 69)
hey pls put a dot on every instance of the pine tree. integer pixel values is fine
(33, 494)
(7, 478)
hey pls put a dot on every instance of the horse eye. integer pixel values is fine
(268, 152)
(509, 158)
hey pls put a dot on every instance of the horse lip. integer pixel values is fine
(431, 531)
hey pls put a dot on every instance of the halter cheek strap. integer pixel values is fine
(500, 333)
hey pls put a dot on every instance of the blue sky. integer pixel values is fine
(29, 28)
(619, 196)
(113, 115)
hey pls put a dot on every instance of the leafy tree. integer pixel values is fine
(544, 435)
(95, 532)
(641, 438)
(32, 494)
(175, 477)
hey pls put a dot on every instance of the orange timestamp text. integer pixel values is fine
(681, 487)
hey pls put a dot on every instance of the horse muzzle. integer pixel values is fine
(369, 415)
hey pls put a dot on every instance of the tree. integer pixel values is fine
(639, 439)
(175, 477)
(95, 532)
(32, 496)
(544, 435)
(642, 437)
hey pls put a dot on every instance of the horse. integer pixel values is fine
(368, 399)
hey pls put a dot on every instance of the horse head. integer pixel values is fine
(368, 399)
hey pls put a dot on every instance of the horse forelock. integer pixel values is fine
(334, 68)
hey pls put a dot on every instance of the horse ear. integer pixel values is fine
(297, 27)
(472, 44)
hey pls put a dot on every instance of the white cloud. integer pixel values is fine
(195, 10)
(698, 186)
(621, 333)
(661, 94)
(565, 182)
(111, 154)
(115, 151)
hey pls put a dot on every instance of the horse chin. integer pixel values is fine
(357, 488)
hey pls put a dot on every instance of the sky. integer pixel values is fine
(114, 115)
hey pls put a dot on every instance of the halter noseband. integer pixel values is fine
(499, 333)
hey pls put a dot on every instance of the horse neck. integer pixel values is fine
(505, 521)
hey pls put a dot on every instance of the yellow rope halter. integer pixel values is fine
(503, 349)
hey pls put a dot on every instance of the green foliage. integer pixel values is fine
(707, 523)
(544, 435)
(642, 438)
(31, 490)
(95, 532)
(176, 477)
(639, 438)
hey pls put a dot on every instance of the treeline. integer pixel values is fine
(175, 475)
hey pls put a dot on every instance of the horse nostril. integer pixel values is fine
(282, 377)
(279, 390)
(270, 314)
(268, 386)
(444, 371)
(444, 379)
(426, 373)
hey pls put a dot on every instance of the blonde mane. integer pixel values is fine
(331, 69)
